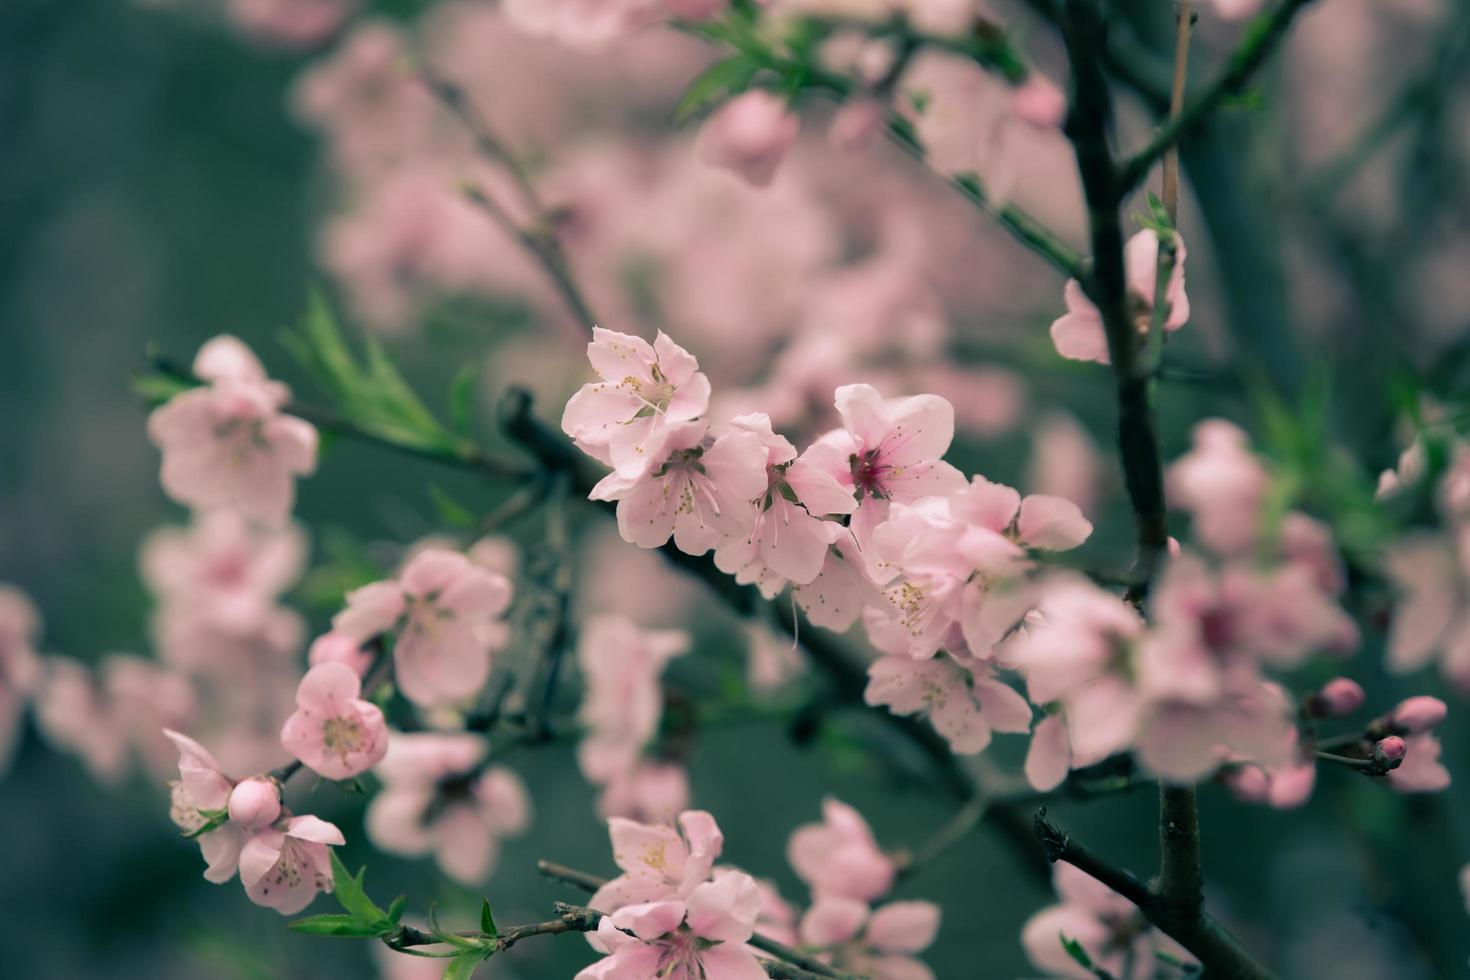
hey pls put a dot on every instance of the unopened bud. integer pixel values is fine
(255, 803)
(1339, 696)
(1039, 102)
(1389, 752)
(1419, 714)
(335, 648)
(1249, 784)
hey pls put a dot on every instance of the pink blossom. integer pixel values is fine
(880, 943)
(1420, 771)
(701, 493)
(255, 803)
(888, 450)
(201, 797)
(1079, 334)
(961, 696)
(449, 611)
(1065, 462)
(1223, 486)
(20, 667)
(789, 540)
(1039, 102)
(335, 648)
(749, 135)
(698, 936)
(1417, 715)
(659, 862)
(587, 24)
(438, 798)
(777, 918)
(223, 566)
(289, 23)
(283, 867)
(227, 443)
(839, 857)
(856, 123)
(1432, 618)
(1109, 927)
(627, 419)
(653, 792)
(336, 733)
(1338, 697)
(623, 699)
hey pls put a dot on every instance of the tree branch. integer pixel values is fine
(1262, 37)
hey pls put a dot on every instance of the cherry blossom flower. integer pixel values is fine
(437, 798)
(878, 943)
(289, 23)
(961, 695)
(1079, 334)
(660, 862)
(626, 419)
(199, 798)
(888, 450)
(336, 733)
(701, 493)
(621, 708)
(335, 648)
(227, 443)
(961, 559)
(449, 611)
(1223, 485)
(699, 936)
(587, 24)
(749, 135)
(285, 866)
(789, 541)
(223, 565)
(1432, 618)
(20, 667)
(1109, 927)
(839, 857)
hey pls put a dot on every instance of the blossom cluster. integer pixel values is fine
(953, 582)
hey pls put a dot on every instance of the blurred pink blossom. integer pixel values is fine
(284, 867)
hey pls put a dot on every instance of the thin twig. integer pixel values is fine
(1261, 38)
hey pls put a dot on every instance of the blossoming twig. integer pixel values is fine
(539, 239)
(805, 966)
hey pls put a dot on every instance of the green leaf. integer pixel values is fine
(487, 921)
(463, 965)
(395, 909)
(462, 942)
(723, 78)
(333, 925)
(462, 399)
(1074, 949)
(157, 388)
(350, 895)
(451, 511)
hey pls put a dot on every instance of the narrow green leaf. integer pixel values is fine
(462, 967)
(462, 399)
(1074, 949)
(332, 925)
(350, 895)
(451, 511)
(727, 77)
(395, 909)
(487, 921)
(463, 942)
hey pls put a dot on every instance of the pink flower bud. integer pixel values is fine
(1419, 714)
(1250, 784)
(749, 135)
(1339, 696)
(255, 803)
(1174, 549)
(336, 648)
(1039, 102)
(855, 123)
(1390, 751)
